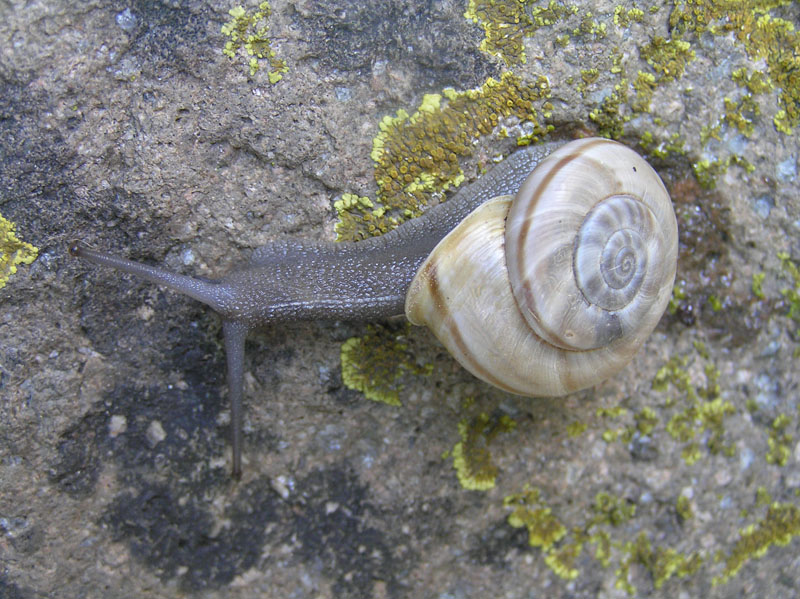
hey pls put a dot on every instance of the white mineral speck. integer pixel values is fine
(746, 457)
(786, 170)
(117, 425)
(126, 20)
(155, 433)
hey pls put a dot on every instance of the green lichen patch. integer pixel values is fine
(683, 507)
(763, 498)
(624, 16)
(778, 527)
(376, 363)
(247, 33)
(13, 251)
(417, 155)
(779, 441)
(708, 171)
(471, 457)
(611, 115)
(531, 512)
(662, 563)
(611, 434)
(507, 22)
(741, 115)
(605, 531)
(576, 429)
(757, 286)
(645, 86)
(668, 57)
(590, 28)
(612, 510)
(756, 82)
(355, 207)
(562, 560)
(763, 36)
(695, 408)
(791, 294)
(645, 420)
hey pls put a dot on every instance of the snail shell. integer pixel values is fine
(556, 289)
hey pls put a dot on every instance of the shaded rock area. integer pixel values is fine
(124, 125)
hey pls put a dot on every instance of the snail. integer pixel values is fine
(543, 277)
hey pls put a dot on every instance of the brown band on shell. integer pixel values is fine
(524, 230)
(440, 304)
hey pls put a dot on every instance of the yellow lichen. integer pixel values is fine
(756, 82)
(645, 86)
(779, 441)
(13, 251)
(662, 563)
(562, 560)
(575, 429)
(683, 506)
(625, 16)
(544, 529)
(376, 363)
(417, 155)
(707, 171)
(561, 548)
(646, 420)
(778, 527)
(602, 542)
(741, 114)
(702, 407)
(353, 204)
(668, 57)
(609, 117)
(678, 295)
(763, 36)
(590, 28)
(609, 509)
(248, 32)
(507, 22)
(791, 294)
(471, 458)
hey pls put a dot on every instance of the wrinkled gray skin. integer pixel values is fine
(306, 280)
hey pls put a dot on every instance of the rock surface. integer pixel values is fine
(125, 125)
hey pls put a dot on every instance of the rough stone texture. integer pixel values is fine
(139, 136)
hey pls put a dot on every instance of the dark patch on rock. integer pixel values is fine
(170, 528)
(191, 435)
(32, 156)
(177, 536)
(494, 544)
(705, 270)
(436, 42)
(643, 448)
(186, 416)
(332, 524)
(9, 590)
(168, 36)
(34, 161)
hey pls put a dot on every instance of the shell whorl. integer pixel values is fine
(557, 290)
(592, 246)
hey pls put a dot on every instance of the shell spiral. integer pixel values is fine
(556, 290)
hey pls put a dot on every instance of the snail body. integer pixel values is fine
(449, 270)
